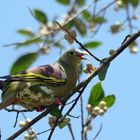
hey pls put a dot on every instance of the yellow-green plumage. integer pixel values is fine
(40, 86)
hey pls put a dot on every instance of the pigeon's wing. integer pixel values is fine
(52, 75)
(47, 75)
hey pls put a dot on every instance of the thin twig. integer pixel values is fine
(70, 102)
(16, 119)
(126, 38)
(70, 19)
(36, 119)
(129, 19)
(86, 126)
(39, 133)
(76, 100)
(56, 122)
(0, 134)
(100, 25)
(89, 119)
(79, 43)
(105, 8)
(98, 132)
(76, 117)
(82, 118)
(94, 8)
(79, 86)
(71, 131)
(24, 116)
(18, 111)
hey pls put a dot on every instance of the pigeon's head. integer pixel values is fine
(73, 56)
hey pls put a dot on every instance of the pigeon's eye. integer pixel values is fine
(71, 53)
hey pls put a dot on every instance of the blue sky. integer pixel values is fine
(122, 120)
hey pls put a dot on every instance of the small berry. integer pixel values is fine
(134, 49)
(50, 25)
(101, 112)
(89, 68)
(119, 2)
(27, 137)
(52, 120)
(94, 113)
(22, 123)
(102, 104)
(86, 71)
(89, 108)
(31, 132)
(28, 120)
(105, 108)
(96, 109)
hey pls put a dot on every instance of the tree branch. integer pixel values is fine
(123, 46)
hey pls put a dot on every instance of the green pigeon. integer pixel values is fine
(42, 86)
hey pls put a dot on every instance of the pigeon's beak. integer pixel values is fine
(81, 55)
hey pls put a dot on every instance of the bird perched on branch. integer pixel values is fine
(44, 85)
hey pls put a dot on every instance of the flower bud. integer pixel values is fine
(101, 112)
(89, 108)
(105, 108)
(52, 120)
(90, 68)
(102, 104)
(96, 109)
(94, 113)
(22, 123)
(27, 137)
(134, 49)
(86, 71)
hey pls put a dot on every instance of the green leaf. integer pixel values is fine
(25, 32)
(29, 42)
(134, 3)
(65, 122)
(96, 94)
(81, 2)
(110, 100)
(125, 1)
(23, 62)
(40, 16)
(103, 72)
(93, 44)
(55, 112)
(86, 15)
(65, 2)
(99, 19)
(80, 26)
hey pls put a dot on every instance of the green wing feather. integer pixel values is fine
(37, 79)
(52, 75)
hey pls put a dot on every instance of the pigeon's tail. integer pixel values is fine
(1, 84)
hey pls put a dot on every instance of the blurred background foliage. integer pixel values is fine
(84, 20)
